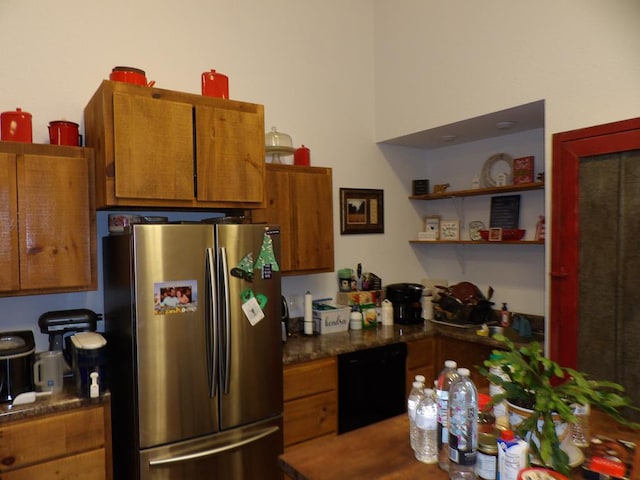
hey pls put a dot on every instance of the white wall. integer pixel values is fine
(310, 63)
(442, 62)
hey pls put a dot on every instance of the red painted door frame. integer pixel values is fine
(567, 149)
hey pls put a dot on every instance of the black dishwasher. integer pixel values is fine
(371, 385)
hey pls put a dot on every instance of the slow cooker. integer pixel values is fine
(17, 355)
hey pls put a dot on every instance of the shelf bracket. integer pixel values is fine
(459, 249)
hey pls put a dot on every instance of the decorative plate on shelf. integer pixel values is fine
(489, 169)
(474, 230)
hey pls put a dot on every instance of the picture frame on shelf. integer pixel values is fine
(432, 227)
(505, 212)
(450, 230)
(495, 234)
(361, 211)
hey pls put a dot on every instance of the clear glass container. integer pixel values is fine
(278, 145)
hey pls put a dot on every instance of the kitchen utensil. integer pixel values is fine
(48, 370)
(16, 126)
(130, 75)
(17, 352)
(28, 397)
(62, 132)
(278, 145)
(215, 84)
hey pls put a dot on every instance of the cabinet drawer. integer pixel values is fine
(31, 441)
(310, 417)
(85, 466)
(308, 378)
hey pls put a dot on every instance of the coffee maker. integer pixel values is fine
(61, 324)
(405, 298)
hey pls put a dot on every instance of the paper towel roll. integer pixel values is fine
(308, 314)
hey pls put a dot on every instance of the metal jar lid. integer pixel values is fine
(488, 443)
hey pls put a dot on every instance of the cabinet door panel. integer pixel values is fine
(54, 215)
(153, 148)
(9, 264)
(278, 211)
(86, 466)
(313, 215)
(230, 160)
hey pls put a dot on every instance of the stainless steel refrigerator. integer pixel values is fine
(192, 320)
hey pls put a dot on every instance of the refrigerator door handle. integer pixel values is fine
(213, 451)
(225, 334)
(211, 324)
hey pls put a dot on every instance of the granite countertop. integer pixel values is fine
(60, 402)
(301, 348)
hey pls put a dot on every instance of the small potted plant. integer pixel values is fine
(550, 391)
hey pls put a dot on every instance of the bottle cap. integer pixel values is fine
(507, 435)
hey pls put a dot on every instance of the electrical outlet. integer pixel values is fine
(296, 307)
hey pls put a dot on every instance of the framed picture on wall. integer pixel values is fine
(361, 211)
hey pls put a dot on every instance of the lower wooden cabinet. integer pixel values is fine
(467, 354)
(310, 400)
(72, 445)
(421, 361)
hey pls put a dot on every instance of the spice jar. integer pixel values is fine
(487, 459)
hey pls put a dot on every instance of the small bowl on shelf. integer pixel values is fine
(508, 234)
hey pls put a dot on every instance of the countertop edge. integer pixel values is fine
(300, 348)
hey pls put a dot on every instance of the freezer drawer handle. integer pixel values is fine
(214, 451)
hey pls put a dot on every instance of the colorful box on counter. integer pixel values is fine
(361, 297)
(330, 319)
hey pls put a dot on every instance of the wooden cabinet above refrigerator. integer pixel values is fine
(161, 148)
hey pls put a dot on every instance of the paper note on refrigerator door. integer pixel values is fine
(252, 310)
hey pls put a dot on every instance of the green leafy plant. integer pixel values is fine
(549, 390)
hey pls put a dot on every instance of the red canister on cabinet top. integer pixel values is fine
(215, 84)
(16, 126)
(302, 156)
(62, 132)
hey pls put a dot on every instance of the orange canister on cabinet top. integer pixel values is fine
(215, 84)
(16, 126)
(302, 156)
(62, 132)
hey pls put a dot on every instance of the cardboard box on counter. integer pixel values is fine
(361, 297)
(330, 319)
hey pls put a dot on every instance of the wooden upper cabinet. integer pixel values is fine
(161, 148)
(300, 200)
(9, 261)
(230, 168)
(153, 148)
(48, 239)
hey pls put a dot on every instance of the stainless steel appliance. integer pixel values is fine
(193, 327)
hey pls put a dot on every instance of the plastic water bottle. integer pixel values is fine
(447, 375)
(580, 430)
(416, 394)
(426, 449)
(463, 427)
